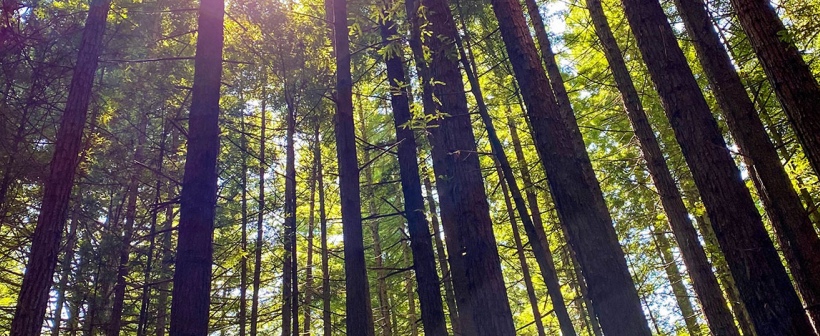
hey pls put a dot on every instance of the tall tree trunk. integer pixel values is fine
(327, 322)
(412, 8)
(243, 243)
(317, 151)
(704, 281)
(522, 257)
(441, 255)
(424, 262)
(670, 266)
(45, 246)
(191, 295)
(576, 191)
(359, 320)
(793, 227)
(725, 277)
(260, 221)
(793, 82)
(540, 245)
(551, 65)
(479, 288)
(290, 295)
(767, 292)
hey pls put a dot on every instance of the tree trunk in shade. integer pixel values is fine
(441, 255)
(704, 281)
(476, 266)
(290, 294)
(767, 291)
(412, 8)
(724, 276)
(424, 262)
(359, 320)
(791, 78)
(793, 227)
(191, 296)
(536, 237)
(576, 192)
(326, 317)
(45, 242)
(309, 290)
(257, 263)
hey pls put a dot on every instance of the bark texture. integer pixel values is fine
(421, 244)
(359, 321)
(791, 221)
(479, 288)
(763, 283)
(793, 82)
(575, 189)
(45, 242)
(704, 281)
(191, 296)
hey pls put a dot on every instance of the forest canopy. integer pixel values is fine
(409, 167)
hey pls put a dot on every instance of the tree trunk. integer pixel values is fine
(327, 322)
(412, 8)
(551, 66)
(289, 290)
(791, 78)
(243, 244)
(725, 277)
(317, 151)
(670, 266)
(767, 292)
(441, 255)
(424, 262)
(257, 262)
(191, 295)
(45, 246)
(576, 192)
(522, 257)
(704, 281)
(537, 239)
(479, 288)
(359, 320)
(793, 227)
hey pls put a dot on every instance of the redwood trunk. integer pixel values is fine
(793, 82)
(793, 226)
(191, 296)
(424, 261)
(576, 192)
(45, 245)
(535, 235)
(441, 255)
(479, 285)
(704, 281)
(257, 264)
(767, 291)
(358, 321)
